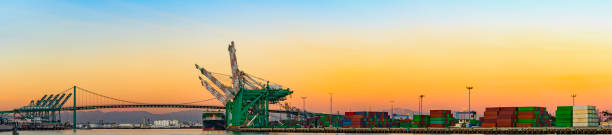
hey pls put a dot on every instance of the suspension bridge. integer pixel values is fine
(246, 100)
(49, 104)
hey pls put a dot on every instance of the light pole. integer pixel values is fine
(421, 104)
(392, 110)
(469, 97)
(330, 107)
(573, 99)
(330, 102)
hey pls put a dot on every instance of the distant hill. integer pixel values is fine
(132, 116)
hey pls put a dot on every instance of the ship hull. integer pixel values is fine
(213, 125)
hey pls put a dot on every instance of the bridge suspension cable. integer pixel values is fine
(116, 99)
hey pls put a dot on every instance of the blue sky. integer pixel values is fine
(51, 44)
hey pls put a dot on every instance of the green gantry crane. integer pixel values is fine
(247, 100)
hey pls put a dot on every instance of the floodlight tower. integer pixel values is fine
(573, 99)
(469, 88)
(421, 104)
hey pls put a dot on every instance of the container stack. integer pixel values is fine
(366, 120)
(533, 117)
(584, 116)
(420, 121)
(564, 116)
(490, 117)
(404, 123)
(440, 118)
(507, 117)
(329, 121)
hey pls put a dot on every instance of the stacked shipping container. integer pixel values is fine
(564, 116)
(584, 116)
(419, 121)
(440, 118)
(515, 117)
(404, 123)
(490, 117)
(366, 120)
(507, 117)
(533, 117)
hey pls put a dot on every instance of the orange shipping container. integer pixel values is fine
(488, 124)
(527, 116)
(523, 125)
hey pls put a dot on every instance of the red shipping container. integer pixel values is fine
(506, 117)
(490, 114)
(504, 125)
(527, 116)
(438, 115)
(489, 124)
(505, 113)
(437, 125)
(492, 109)
(489, 121)
(508, 108)
(357, 116)
(349, 113)
(525, 112)
(524, 125)
(505, 121)
(439, 112)
(404, 120)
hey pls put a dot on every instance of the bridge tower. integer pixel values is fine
(247, 100)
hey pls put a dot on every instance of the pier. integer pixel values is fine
(533, 130)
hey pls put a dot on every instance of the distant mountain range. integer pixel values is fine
(132, 116)
(137, 116)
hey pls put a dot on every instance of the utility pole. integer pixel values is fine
(573, 99)
(330, 102)
(330, 107)
(421, 104)
(469, 97)
(392, 110)
(304, 106)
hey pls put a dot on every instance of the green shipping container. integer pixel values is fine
(565, 108)
(527, 120)
(438, 122)
(526, 108)
(438, 119)
(563, 124)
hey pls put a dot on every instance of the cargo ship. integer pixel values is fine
(213, 120)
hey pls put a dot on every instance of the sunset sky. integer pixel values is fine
(514, 52)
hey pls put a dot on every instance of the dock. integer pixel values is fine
(518, 130)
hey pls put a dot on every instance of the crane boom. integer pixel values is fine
(253, 80)
(222, 98)
(46, 100)
(251, 86)
(41, 99)
(226, 89)
(235, 72)
(57, 101)
(51, 101)
(65, 99)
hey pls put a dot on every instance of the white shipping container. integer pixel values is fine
(584, 112)
(583, 116)
(584, 107)
(579, 120)
(585, 124)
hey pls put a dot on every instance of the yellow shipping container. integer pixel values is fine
(580, 120)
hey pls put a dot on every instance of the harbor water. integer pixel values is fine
(156, 132)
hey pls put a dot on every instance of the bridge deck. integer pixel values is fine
(139, 106)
